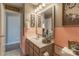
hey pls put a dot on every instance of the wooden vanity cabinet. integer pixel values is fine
(30, 47)
(33, 50)
(27, 47)
(49, 49)
(30, 51)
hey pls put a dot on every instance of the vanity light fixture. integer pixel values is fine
(39, 7)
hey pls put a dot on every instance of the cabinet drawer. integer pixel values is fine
(48, 49)
(36, 49)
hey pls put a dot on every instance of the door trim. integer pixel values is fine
(3, 38)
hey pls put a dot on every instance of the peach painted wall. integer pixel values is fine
(63, 34)
(29, 32)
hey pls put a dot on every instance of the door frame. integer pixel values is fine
(3, 27)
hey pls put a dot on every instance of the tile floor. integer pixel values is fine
(15, 52)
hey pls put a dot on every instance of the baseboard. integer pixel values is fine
(10, 47)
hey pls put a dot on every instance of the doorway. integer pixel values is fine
(13, 32)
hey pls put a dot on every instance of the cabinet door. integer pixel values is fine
(48, 49)
(30, 51)
(27, 47)
(36, 49)
(36, 54)
(51, 50)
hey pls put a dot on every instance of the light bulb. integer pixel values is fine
(40, 6)
(43, 26)
(43, 5)
(35, 10)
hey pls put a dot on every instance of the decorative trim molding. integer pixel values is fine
(14, 8)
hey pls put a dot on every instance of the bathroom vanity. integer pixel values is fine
(35, 47)
(39, 38)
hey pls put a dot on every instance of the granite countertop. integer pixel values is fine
(38, 42)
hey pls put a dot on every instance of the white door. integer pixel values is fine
(12, 29)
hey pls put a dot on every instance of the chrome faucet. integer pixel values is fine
(38, 35)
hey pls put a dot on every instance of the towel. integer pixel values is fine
(46, 54)
(67, 52)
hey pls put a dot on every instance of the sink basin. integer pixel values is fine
(46, 41)
(37, 38)
(38, 41)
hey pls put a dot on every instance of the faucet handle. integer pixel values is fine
(38, 35)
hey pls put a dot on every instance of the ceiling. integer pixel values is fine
(16, 4)
(21, 4)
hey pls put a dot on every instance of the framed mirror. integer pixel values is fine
(39, 20)
(32, 20)
(46, 22)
